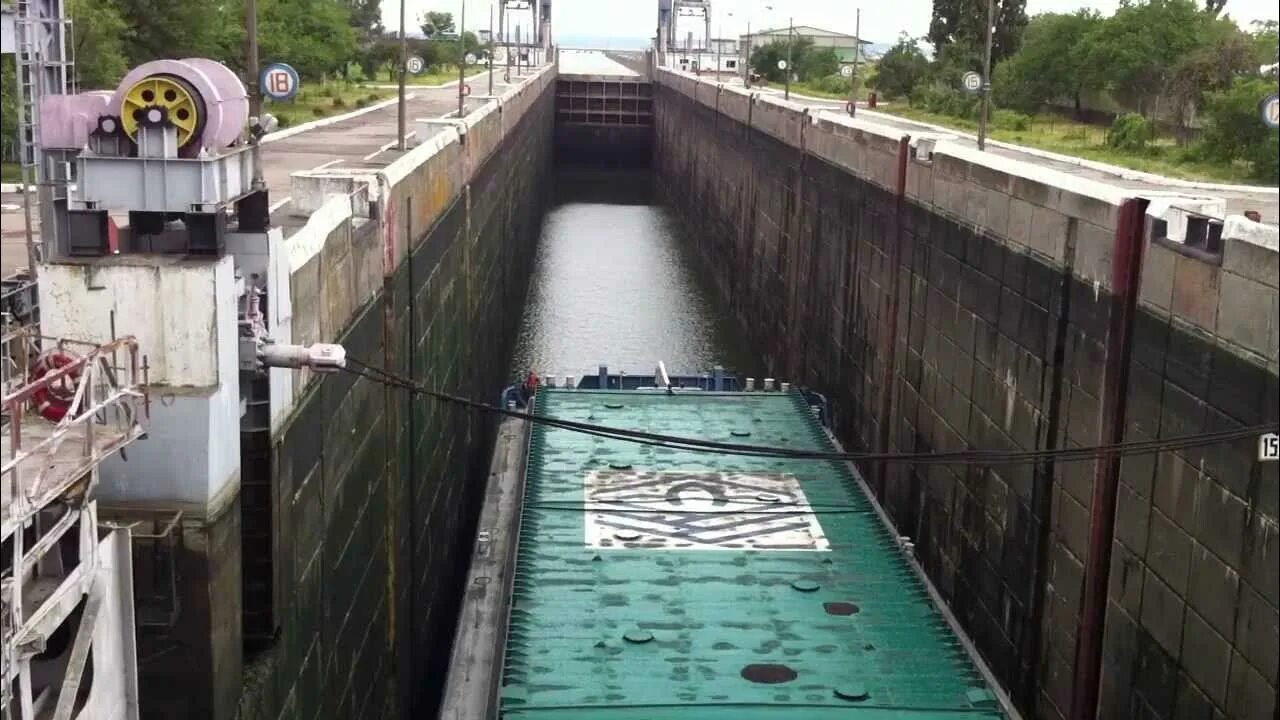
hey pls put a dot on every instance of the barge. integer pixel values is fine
(620, 581)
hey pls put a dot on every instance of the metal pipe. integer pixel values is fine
(857, 50)
(462, 61)
(489, 51)
(986, 78)
(1126, 271)
(791, 41)
(402, 119)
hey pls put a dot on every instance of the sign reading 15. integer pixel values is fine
(1269, 447)
(279, 81)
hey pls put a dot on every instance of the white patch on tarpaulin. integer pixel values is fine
(699, 511)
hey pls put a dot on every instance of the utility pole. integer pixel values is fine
(746, 58)
(986, 78)
(857, 51)
(251, 58)
(255, 86)
(402, 119)
(462, 59)
(490, 50)
(791, 41)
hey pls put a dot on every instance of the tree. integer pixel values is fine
(98, 38)
(314, 36)
(366, 18)
(1266, 42)
(816, 63)
(1226, 53)
(1234, 129)
(182, 28)
(435, 24)
(963, 21)
(901, 68)
(764, 58)
(1214, 7)
(1135, 51)
(1050, 65)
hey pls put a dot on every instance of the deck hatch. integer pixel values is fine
(699, 510)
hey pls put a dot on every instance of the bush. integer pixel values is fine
(834, 84)
(361, 104)
(1129, 132)
(339, 103)
(318, 111)
(945, 101)
(1234, 129)
(1010, 120)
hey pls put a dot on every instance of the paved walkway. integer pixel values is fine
(364, 140)
(1267, 203)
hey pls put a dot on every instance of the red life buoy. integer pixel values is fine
(54, 399)
(466, 90)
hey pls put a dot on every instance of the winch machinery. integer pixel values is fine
(169, 144)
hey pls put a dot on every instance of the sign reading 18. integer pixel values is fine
(279, 81)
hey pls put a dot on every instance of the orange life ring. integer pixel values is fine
(54, 399)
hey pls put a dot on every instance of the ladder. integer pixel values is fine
(44, 64)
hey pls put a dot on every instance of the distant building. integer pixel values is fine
(843, 44)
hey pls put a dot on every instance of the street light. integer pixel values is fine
(986, 79)
(791, 29)
(401, 112)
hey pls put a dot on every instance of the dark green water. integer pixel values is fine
(614, 284)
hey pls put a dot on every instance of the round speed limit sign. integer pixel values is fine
(469, 59)
(415, 65)
(1271, 111)
(972, 81)
(279, 81)
(847, 71)
(782, 64)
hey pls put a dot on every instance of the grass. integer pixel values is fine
(1065, 136)
(10, 173)
(321, 101)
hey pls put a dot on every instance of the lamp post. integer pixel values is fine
(857, 51)
(791, 29)
(489, 51)
(462, 59)
(401, 112)
(986, 79)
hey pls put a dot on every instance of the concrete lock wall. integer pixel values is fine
(971, 301)
(364, 493)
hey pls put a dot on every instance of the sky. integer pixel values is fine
(881, 22)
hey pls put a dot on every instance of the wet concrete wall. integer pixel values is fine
(967, 302)
(420, 270)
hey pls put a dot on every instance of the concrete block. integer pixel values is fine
(1195, 292)
(1257, 635)
(1247, 314)
(1156, 286)
(1125, 584)
(1163, 613)
(1048, 233)
(1260, 567)
(1220, 523)
(1212, 589)
(1206, 655)
(1094, 253)
(1036, 192)
(1019, 226)
(1250, 696)
(1169, 552)
(997, 203)
(1088, 208)
(1250, 250)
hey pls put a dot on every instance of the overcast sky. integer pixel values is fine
(881, 21)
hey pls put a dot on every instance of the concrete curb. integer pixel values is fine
(324, 122)
(1121, 172)
(415, 86)
(11, 188)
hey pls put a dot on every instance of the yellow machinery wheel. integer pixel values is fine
(179, 100)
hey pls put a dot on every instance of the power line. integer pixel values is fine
(968, 457)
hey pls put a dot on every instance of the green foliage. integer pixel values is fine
(808, 63)
(435, 24)
(1234, 129)
(98, 37)
(963, 22)
(1135, 51)
(181, 28)
(8, 107)
(832, 84)
(901, 69)
(1129, 132)
(1050, 65)
(1010, 120)
(314, 36)
(944, 100)
(1266, 43)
